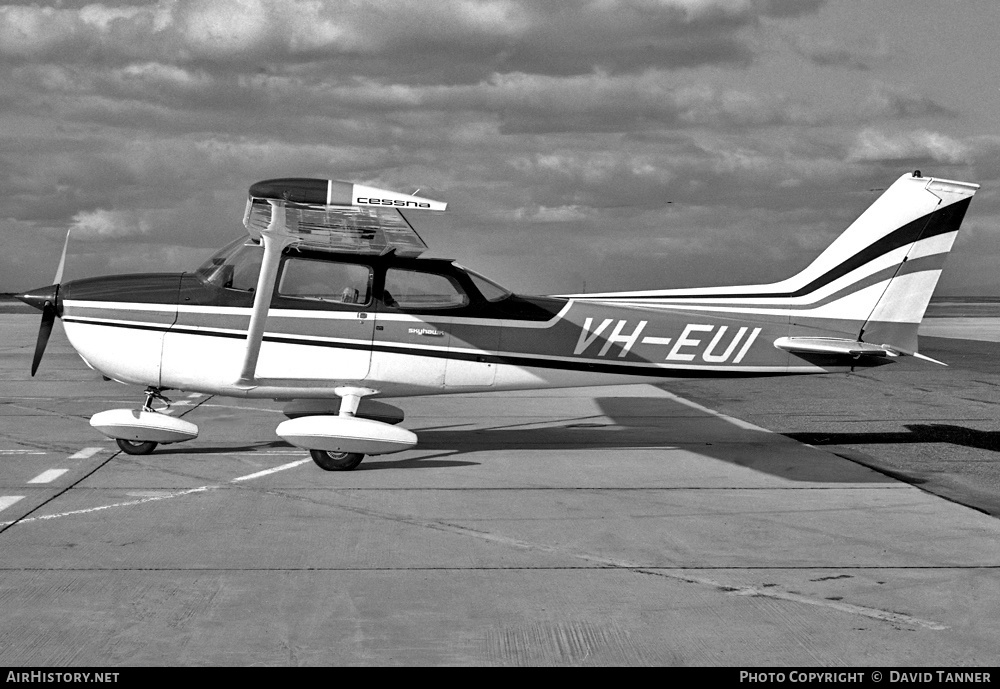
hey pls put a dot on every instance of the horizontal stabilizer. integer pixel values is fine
(843, 346)
(832, 345)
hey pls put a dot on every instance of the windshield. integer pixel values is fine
(235, 266)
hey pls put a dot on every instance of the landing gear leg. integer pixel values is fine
(335, 461)
(151, 394)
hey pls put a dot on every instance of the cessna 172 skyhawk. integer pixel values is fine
(326, 304)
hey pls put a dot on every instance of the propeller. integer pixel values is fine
(46, 299)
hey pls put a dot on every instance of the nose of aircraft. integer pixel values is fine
(46, 300)
(42, 298)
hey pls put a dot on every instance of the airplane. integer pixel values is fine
(327, 304)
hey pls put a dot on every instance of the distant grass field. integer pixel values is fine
(10, 304)
(964, 307)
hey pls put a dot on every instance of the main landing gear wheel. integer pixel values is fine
(335, 461)
(136, 447)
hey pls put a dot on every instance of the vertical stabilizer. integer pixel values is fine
(919, 253)
(871, 285)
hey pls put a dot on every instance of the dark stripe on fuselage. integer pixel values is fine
(511, 359)
(931, 225)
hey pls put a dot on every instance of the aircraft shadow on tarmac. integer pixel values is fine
(423, 462)
(915, 433)
(206, 449)
(646, 422)
(641, 422)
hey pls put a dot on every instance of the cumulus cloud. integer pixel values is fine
(922, 145)
(891, 102)
(464, 38)
(599, 102)
(547, 214)
(606, 130)
(102, 223)
(849, 53)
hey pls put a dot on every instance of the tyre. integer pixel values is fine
(336, 461)
(136, 447)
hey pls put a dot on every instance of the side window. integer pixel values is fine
(417, 290)
(344, 283)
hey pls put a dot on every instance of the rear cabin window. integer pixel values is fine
(343, 283)
(417, 290)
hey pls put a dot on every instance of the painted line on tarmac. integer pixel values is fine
(88, 510)
(864, 611)
(611, 563)
(21, 452)
(86, 453)
(8, 500)
(739, 423)
(279, 453)
(152, 498)
(48, 476)
(271, 471)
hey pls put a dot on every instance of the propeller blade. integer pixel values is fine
(47, 300)
(62, 260)
(48, 318)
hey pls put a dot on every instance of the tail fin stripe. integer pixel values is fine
(930, 263)
(926, 264)
(939, 222)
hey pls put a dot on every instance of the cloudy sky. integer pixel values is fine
(597, 144)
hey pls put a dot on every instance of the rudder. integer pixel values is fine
(896, 315)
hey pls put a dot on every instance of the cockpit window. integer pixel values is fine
(490, 290)
(417, 290)
(235, 266)
(344, 283)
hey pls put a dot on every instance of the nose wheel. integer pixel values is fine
(335, 461)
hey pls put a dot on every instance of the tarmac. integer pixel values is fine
(834, 521)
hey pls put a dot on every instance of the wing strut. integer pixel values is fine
(275, 239)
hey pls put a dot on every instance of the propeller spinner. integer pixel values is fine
(46, 300)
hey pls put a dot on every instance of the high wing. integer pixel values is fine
(342, 217)
(325, 215)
